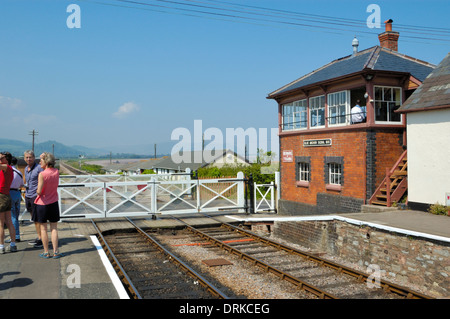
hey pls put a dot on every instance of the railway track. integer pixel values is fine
(323, 278)
(70, 170)
(314, 276)
(148, 270)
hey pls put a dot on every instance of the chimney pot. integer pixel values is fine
(388, 25)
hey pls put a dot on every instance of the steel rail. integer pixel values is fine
(285, 276)
(133, 292)
(387, 286)
(72, 169)
(203, 281)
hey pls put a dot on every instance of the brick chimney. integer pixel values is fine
(389, 39)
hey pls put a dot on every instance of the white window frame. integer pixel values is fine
(335, 174)
(331, 98)
(383, 100)
(295, 116)
(304, 172)
(315, 107)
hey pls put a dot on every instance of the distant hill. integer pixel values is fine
(17, 148)
(62, 150)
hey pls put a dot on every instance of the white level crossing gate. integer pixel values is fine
(266, 196)
(101, 196)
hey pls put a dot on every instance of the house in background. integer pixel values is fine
(196, 159)
(170, 164)
(328, 163)
(141, 166)
(428, 134)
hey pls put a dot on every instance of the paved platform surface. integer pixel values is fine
(82, 274)
(437, 225)
(24, 275)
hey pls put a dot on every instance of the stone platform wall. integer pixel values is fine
(414, 262)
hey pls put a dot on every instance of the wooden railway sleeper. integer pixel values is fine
(181, 264)
(316, 291)
(132, 291)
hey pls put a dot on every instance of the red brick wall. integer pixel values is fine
(352, 146)
(388, 150)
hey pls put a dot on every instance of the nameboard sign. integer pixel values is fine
(288, 156)
(322, 142)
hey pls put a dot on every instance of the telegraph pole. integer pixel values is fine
(33, 133)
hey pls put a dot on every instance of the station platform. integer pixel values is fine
(85, 273)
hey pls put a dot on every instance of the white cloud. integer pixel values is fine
(126, 109)
(10, 103)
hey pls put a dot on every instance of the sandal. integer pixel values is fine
(58, 255)
(45, 255)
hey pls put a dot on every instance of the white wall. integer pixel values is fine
(428, 135)
(230, 158)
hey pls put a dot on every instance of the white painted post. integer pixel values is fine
(187, 185)
(240, 191)
(105, 203)
(255, 199)
(272, 195)
(278, 186)
(199, 203)
(153, 191)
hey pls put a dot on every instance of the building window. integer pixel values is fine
(338, 108)
(317, 111)
(387, 100)
(295, 115)
(335, 173)
(303, 170)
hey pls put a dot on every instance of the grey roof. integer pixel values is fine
(143, 164)
(393, 61)
(168, 163)
(433, 93)
(376, 58)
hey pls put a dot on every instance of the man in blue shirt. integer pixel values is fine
(31, 179)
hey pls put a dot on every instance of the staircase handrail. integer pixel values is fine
(388, 174)
(398, 162)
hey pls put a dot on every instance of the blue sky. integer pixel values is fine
(130, 76)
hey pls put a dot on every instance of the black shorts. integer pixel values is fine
(5, 203)
(44, 213)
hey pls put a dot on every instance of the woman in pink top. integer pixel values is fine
(46, 203)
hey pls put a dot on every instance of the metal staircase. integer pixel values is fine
(394, 185)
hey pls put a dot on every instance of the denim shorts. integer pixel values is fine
(5, 203)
